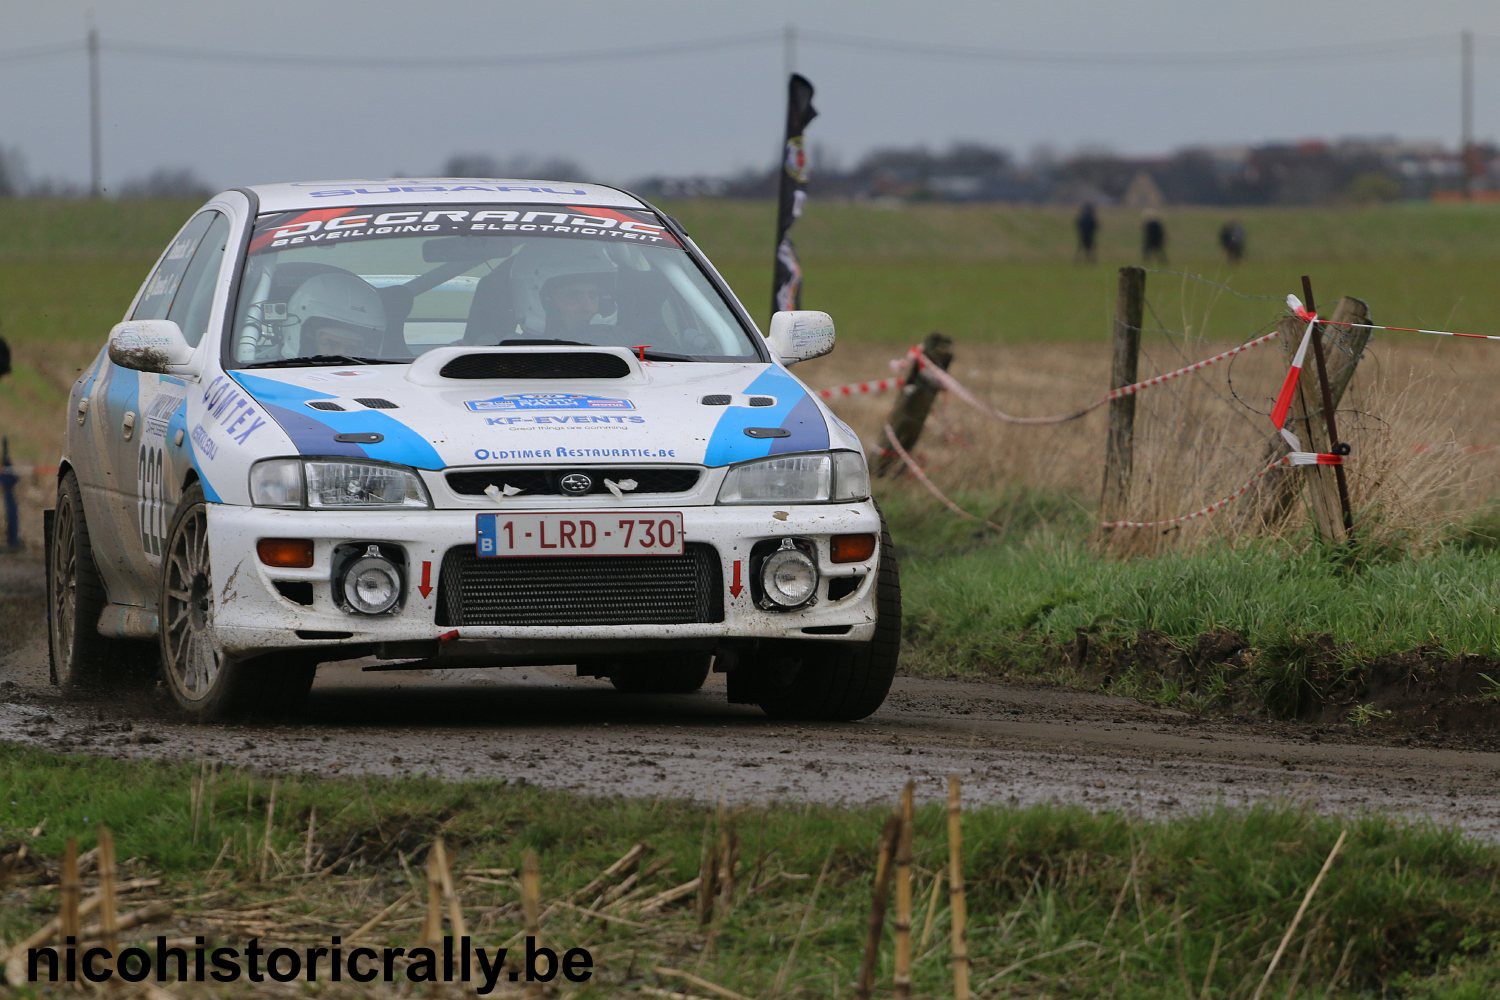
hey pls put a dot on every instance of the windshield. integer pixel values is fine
(385, 284)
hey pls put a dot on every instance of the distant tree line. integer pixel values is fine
(1350, 170)
(1269, 174)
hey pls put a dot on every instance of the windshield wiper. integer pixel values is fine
(320, 360)
(650, 355)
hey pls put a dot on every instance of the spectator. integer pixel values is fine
(1232, 239)
(1154, 240)
(1087, 224)
(4, 358)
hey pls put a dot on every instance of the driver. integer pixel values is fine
(560, 287)
(336, 313)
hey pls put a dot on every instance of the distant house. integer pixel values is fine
(1143, 193)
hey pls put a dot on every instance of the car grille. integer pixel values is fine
(536, 364)
(545, 482)
(592, 590)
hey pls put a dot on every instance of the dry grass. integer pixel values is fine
(1419, 415)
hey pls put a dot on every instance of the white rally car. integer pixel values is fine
(462, 422)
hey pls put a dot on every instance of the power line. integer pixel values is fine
(1424, 46)
(1417, 47)
(310, 61)
(39, 52)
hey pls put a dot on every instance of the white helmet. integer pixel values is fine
(542, 262)
(335, 297)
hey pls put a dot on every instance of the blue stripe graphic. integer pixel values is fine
(312, 431)
(794, 411)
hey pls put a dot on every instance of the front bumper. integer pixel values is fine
(253, 615)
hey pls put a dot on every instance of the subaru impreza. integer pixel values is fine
(455, 423)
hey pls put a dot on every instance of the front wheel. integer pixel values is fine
(831, 682)
(205, 682)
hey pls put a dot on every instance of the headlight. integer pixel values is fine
(813, 477)
(326, 484)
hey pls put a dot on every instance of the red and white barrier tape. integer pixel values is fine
(875, 385)
(952, 385)
(1289, 384)
(916, 470)
(861, 388)
(1295, 304)
(1296, 458)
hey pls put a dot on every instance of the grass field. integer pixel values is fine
(985, 274)
(1031, 328)
(1059, 900)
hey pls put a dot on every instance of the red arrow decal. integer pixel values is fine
(734, 588)
(426, 586)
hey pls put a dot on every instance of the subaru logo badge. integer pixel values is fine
(576, 483)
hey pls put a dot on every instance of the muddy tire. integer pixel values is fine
(837, 682)
(206, 683)
(669, 675)
(81, 658)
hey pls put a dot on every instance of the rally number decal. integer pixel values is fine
(151, 505)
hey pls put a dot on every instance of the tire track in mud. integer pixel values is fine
(1012, 744)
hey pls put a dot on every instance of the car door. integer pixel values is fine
(132, 412)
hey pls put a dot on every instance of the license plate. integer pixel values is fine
(589, 533)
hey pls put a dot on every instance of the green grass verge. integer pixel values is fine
(1263, 626)
(1060, 900)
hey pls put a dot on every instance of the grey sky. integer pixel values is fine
(715, 111)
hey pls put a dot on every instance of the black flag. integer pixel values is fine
(786, 289)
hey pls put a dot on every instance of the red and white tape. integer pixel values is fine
(899, 365)
(1296, 458)
(950, 383)
(861, 388)
(916, 470)
(1293, 374)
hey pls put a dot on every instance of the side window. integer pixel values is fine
(162, 286)
(195, 295)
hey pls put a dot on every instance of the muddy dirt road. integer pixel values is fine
(1011, 744)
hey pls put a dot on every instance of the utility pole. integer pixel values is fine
(96, 169)
(1466, 109)
(789, 51)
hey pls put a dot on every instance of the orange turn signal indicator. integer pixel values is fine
(287, 553)
(852, 548)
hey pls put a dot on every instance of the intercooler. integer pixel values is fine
(591, 590)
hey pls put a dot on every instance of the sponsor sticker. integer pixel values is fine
(325, 225)
(565, 420)
(547, 401)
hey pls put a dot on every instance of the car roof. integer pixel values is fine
(436, 190)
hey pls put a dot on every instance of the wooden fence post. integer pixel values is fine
(914, 402)
(1278, 494)
(1130, 301)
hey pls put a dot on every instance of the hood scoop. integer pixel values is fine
(551, 365)
(506, 364)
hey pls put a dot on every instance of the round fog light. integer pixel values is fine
(372, 584)
(789, 577)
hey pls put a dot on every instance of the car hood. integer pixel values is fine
(408, 415)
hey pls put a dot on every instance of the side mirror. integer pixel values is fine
(149, 345)
(801, 335)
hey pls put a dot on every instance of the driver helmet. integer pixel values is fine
(341, 303)
(542, 266)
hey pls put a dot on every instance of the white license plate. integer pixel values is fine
(588, 533)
